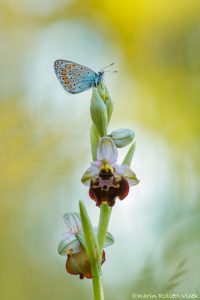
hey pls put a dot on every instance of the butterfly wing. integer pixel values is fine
(73, 77)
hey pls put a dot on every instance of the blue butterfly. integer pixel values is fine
(76, 78)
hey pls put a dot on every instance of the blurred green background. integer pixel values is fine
(44, 146)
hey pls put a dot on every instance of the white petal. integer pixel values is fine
(89, 174)
(109, 240)
(118, 169)
(67, 247)
(73, 222)
(69, 236)
(126, 171)
(107, 150)
(81, 239)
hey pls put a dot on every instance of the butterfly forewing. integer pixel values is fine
(73, 77)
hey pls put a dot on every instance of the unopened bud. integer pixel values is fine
(122, 137)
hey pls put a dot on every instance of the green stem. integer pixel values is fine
(93, 252)
(97, 282)
(105, 212)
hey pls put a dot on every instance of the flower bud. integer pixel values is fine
(99, 113)
(122, 137)
(109, 106)
(105, 96)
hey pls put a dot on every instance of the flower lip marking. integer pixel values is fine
(106, 171)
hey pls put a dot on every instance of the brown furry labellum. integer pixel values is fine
(78, 264)
(107, 186)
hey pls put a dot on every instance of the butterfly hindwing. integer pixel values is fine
(73, 77)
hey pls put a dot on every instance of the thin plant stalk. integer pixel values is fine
(97, 282)
(105, 212)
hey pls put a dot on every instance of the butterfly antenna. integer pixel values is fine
(107, 66)
(112, 71)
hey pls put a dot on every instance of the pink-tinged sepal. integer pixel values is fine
(107, 150)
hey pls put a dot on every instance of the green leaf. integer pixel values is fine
(129, 156)
(99, 113)
(94, 140)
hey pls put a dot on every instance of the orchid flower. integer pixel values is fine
(106, 179)
(73, 246)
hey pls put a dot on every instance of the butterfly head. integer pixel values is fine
(99, 77)
(100, 74)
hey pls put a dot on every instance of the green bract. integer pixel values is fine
(122, 137)
(129, 156)
(99, 113)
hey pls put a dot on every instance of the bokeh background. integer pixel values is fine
(44, 143)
